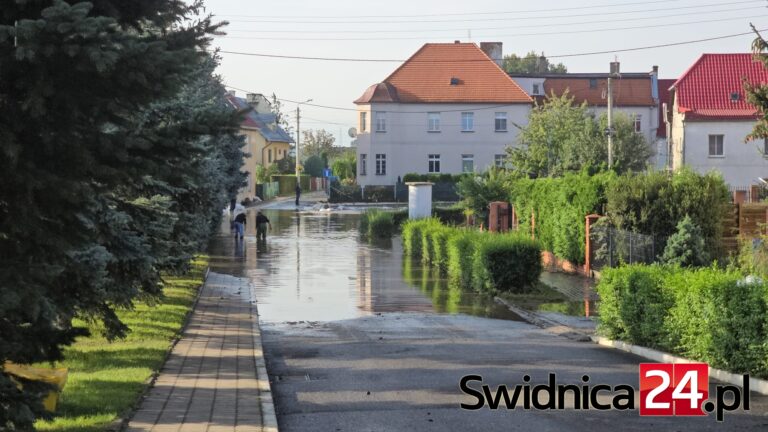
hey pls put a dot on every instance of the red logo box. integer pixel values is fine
(668, 389)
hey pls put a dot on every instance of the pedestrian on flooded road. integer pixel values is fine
(261, 226)
(240, 225)
(298, 194)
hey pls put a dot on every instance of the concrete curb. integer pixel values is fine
(756, 385)
(266, 402)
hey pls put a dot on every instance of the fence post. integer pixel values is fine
(589, 220)
(533, 225)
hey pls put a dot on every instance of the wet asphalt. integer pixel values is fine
(359, 339)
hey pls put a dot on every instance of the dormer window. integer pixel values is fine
(735, 97)
(454, 81)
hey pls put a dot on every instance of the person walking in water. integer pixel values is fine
(240, 225)
(298, 194)
(261, 226)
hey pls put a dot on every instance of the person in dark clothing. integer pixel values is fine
(261, 226)
(298, 194)
(240, 225)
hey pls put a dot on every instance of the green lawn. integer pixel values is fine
(105, 378)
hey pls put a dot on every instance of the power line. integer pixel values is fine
(315, 21)
(454, 14)
(498, 36)
(368, 60)
(496, 28)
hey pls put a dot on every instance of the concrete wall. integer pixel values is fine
(741, 164)
(407, 142)
(526, 83)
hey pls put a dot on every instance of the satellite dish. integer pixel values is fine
(352, 132)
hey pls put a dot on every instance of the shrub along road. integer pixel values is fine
(397, 372)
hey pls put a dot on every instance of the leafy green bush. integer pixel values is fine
(439, 250)
(378, 224)
(429, 229)
(412, 236)
(506, 262)
(314, 165)
(478, 191)
(686, 247)
(654, 203)
(633, 304)
(704, 314)
(461, 248)
(449, 215)
(719, 319)
(560, 206)
(434, 178)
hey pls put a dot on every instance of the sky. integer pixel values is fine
(395, 29)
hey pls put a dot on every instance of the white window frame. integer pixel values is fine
(468, 121)
(433, 122)
(536, 90)
(499, 117)
(722, 145)
(433, 164)
(381, 164)
(363, 121)
(467, 158)
(499, 160)
(381, 121)
(638, 123)
(363, 164)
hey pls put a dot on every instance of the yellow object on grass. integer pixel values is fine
(56, 377)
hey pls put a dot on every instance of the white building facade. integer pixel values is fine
(449, 109)
(710, 120)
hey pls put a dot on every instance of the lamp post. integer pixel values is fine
(298, 139)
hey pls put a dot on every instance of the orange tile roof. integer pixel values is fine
(426, 78)
(626, 91)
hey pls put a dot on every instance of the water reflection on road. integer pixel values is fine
(314, 267)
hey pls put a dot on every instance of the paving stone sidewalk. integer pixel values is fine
(215, 379)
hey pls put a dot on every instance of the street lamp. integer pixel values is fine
(298, 139)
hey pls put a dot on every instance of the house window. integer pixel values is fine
(247, 144)
(381, 164)
(501, 122)
(499, 160)
(467, 121)
(716, 145)
(593, 83)
(638, 123)
(381, 121)
(434, 163)
(269, 155)
(536, 89)
(467, 163)
(363, 121)
(433, 122)
(363, 164)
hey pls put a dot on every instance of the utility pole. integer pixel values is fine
(298, 142)
(609, 131)
(298, 139)
(610, 124)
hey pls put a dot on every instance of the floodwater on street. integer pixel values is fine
(314, 267)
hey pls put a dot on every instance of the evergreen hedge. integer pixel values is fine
(482, 260)
(707, 314)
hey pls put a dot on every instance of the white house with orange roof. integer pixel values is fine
(450, 108)
(710, 119)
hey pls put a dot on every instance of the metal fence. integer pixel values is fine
(610, 247)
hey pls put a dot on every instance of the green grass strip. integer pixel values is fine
(106, 378)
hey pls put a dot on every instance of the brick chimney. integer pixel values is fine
(494, 51)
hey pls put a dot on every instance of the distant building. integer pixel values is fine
(266, 142)
(450, 108)
(634, 94)
(710, 118)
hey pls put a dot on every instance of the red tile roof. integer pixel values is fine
(626, 91)
(704, 91)
(427, 77)
(665, 97)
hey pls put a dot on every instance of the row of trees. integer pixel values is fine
(118, 154)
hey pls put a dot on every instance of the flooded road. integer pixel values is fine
(314, 267)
